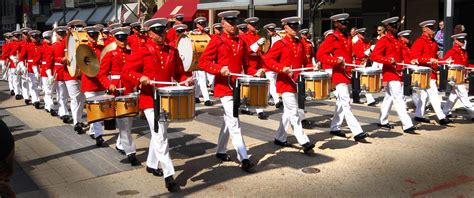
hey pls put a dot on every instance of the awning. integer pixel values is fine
(55, 17)
(84, 14)
(111, 16)
(131, 12)
(69, 16)
(99, 15)
(172, 7)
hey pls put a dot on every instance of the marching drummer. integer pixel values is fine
(388, 51)
(270, 74)
(308, 45)
(161, 62)
(46, 71)
(223, 55)
(362, 52)
(22, 66)
(111, 67)
(105, 32)
(136, 38)
(91, 86)
(61, 75)
(255, 62)
(5, 61)
(459, 55)
(425, 50)
(289, 53)
(335, 51)
(201, 76)
(171, 35)
(30, 54)
(73, 84)
(180, 29)
(327, 67)
(217, 29)
(404, 38)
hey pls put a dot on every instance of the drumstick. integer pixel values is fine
(353, 65)
(301, 69)
(241, 75)
(410, 65)
(120, 89)
(162, 82)
(444, 62)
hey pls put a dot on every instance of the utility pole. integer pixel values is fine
(251, 9)
(448, 25)
(64, 12)
(300, 10)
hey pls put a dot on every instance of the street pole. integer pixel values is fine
(64, 12)
(251, 9)
(448, 25)
(300, 10)
(116, 10)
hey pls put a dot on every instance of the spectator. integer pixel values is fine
(7, 145)
(439, 38)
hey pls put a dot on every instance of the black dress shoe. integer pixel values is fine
(223, 156)
(133, 160)
(18, 97)
(171, 185)
(78, 129)
(53, 113)
(47, 110)
(82, 125)
(306, 124)
(27, 101)
(445, 121)
(283, 144)
(387, 126)
(197, 101)
(361, 137)
(208, 103)
(37, 105)
(99, 141)
(92, 136)
(121, 151)
(372, 104)
(12, 93)
(308, 147)
(279, 104)
(156, 172)
(410, 130)
(262, 116)
(338, 133)
(450, 116)
(66, 119)
(271, 103)
(425, 120)
(247, 165)
(242, 111)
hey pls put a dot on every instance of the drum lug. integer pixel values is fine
(309, 94)
(164, 115)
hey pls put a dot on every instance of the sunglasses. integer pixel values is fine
(136, 27)
(179, 18)
(243, 28)
(294, 26)
(121, 37)
(47, 37)
(231, 21)
(158, 30)
(17, 35)
(462, 40)
(61, 33)
(180, 31)
(253, 24)
(345, 22)
(431, 27)
(35, 35)
(93, 34)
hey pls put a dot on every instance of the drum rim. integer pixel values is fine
(245, 80)
(316, 74)
(456, 67)
(420, 68)
(126, 98)
(368, 70)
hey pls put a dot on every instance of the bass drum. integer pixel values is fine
(73, 40)
(190, 48)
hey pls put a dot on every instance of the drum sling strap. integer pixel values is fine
(300, 85)
(407, 87)
(156, 94)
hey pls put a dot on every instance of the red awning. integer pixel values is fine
(172, 7)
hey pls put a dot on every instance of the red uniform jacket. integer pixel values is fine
(112, 65)
(109, 40)
(46, 59)
(286, 52)
(406, 51)
(336, 45)
(14, 51)
(359, 48)
(136, 41)
(31, 55)
(60, 69)
(92, 84)
(423, 49)
(160, 63)
(224, 50)
(255, 58)
(308, 48)
(6, 49)
(387, 48)
(458, 55)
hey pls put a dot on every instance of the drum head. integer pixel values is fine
(456, 67)
(175, 90)
(245, 80)
(421, 69)
(125, 98)
(315, 74)
(71, 51)
(368, 70)
(99, 99)
(185, 48)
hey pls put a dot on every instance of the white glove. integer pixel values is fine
(254, 47)
(37, 76)
(49, 73)
(14, 59)
(12, 71)
(261, 41)
(372, 47)
(367, 52)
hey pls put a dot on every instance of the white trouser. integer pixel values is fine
(33, 87)
(158, 152)
(272, 76)
(11, 85)
(14, 80)
(231, 127)
(96, 128)
(63, 95)
(394, 94)
(24, 86)
(458, 92)
(343, 111)
(210, 79)
(370, 98)
(291, 115)
(201, 82)
(77, 99)
(125, 139)
(48, 94)
(421, 96)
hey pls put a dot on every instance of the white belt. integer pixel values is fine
(43, 62)
(115, 77)
(30, 61)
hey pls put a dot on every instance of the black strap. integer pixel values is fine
(156, 108)
(355, 81)
(407, 87)
(443, 77)
(301, 92)
(471, 84)
(236, 98)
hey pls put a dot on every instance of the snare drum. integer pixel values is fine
(254, 91)
(420, 77)
(127, 106)
(176, 103)
(190, 48)
(317, 85)
(100, 108)
(370, 80)
(456, 74)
